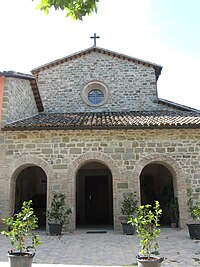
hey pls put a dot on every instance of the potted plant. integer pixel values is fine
(173, 212)
(194, 208)
(147, 223)
(57, 214)
(20, 231)
(128, 209)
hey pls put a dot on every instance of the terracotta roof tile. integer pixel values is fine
(109, 120)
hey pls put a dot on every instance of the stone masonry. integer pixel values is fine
(132, 86)
(18, 100)
(129, 86)
(125, 152)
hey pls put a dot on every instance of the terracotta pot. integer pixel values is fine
(173, 225)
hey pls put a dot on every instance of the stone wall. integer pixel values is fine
(131, 86)
(125, 152)
(18, 100)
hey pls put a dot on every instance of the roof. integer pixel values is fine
(33, 83)
(175, 105)
(157, 68)
(109, 120)
(15, 74)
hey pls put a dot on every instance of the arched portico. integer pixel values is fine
(92, 157)
(156, 183)
(178, 177)
(29, 173)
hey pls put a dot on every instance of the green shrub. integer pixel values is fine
(147, 223)
(58, 212)
(20, 228)
(193, 205)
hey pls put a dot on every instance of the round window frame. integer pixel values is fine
(95, 85)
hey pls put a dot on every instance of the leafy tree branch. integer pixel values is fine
(76, 9)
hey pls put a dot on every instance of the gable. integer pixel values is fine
(156, 67)
(130, 84)
(62, 88)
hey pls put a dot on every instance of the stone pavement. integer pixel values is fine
(108, 249)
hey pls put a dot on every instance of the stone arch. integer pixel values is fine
(18, 165)
(178, 175)
(90, 156)
(87, 157)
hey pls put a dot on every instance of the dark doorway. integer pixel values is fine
(94, 201)
(31, 183)
(156, 183)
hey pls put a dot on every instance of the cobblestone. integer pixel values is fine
(108, 249)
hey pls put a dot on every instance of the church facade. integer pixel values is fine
(91, 125)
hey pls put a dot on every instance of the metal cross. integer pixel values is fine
(94, 37)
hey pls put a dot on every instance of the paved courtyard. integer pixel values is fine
(108, 249)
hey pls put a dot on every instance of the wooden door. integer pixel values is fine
(96, 199)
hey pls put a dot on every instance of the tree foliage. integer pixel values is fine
(193, 205)
(76, 9)
(147, 223)
(58, 213)
(129, 204)
(21, 226)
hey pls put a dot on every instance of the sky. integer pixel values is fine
(165, 32)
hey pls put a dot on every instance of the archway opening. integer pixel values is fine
(156, 183)
(31, 183)
(94, 195)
